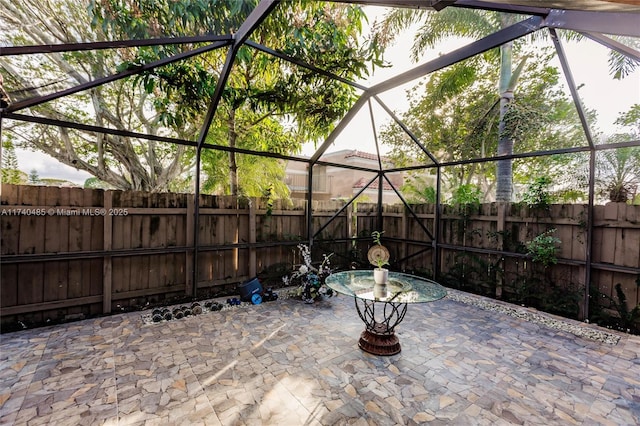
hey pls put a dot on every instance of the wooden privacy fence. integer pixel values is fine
(487, 246)
(71, 251)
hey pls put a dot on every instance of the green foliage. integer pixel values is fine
(464, 123)
(466, 201)
(624, 319)
(96, 183)
(543, 248)
(628, 318)
(630, 119)
(376, 235)
(34, 178)
(442, 25)
(261, 92)
(617, 169)
(537, 194)
(148, 19)
(621, 65)
(466, 195)
(531, 289)
(125, 163)
(457, 124)
(416, 190)
(463, 103)
(571, 195)
(380, 263)
(10, 172)
(254, 176)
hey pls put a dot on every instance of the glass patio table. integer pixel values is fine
(383, 306)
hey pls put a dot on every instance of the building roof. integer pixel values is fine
(362, 182)
(362, 154)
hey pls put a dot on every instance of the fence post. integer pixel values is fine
(252, 237)
(107, 266)
(500, 225)
(189, 224)
(404, 232)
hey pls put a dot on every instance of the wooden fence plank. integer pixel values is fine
(139, 264)
(30, 286)
(10, 194)
(8, 283)
(630, 251)
(54, 273)
(78, 269)
(107, 264)
(9, 235)
(252, 237)
(189, 224)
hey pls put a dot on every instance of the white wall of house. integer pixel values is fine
(332, 182)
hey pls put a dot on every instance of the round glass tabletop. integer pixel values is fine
(400, 288)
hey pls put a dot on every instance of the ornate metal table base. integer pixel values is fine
(382, 306)
(379, 337)
(379, 344)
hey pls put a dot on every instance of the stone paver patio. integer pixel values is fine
(287, 363)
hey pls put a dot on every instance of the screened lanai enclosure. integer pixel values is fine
(241, 87)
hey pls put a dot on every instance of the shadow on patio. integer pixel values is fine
(287, 363)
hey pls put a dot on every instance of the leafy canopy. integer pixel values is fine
(288, 104)
(455, 113)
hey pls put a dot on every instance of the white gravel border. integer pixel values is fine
(577, 328)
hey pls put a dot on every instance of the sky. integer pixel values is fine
(587, 59)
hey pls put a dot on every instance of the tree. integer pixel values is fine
(255, 176)
(458, 22)
(10, 172)
(123, 163)
(457, 112)
(95, 183)
(33, 177)
(618, 170)
(267, 104)
(468, 23)
(417, 190)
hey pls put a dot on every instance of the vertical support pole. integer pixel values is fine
(107, 265)
(1, 148)
(196, 223)
(188, 281)
(309, 204)
(235, 252)
(252, 238)
(350, 229)
(404, 232)
(436, 227)
(587, 263)
(380, 224)
(500, 225)
(380, 183)
(350, 226)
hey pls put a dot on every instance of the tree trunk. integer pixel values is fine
(504, 168)
(233, 166)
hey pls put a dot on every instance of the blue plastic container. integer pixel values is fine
(248, 288)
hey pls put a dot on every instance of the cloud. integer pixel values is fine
(48, 167)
